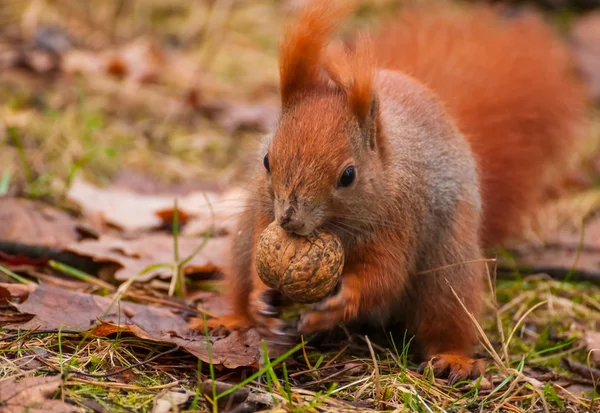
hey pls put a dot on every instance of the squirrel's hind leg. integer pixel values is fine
(449, 294)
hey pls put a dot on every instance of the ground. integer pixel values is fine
(109, 110)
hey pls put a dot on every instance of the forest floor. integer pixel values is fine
(112, 110)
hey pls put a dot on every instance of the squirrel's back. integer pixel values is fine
(507, 83)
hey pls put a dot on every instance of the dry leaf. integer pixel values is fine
(136, 212)
(32, 223)
(586, 48)
(556, 262)
(14, 292)
(31, 395)
(56, 308)
(135, 256)
(563, 247)
(236, 116)
(581, 390)
(141, 61)
(141, 183)
(259, 118)
(223, 217)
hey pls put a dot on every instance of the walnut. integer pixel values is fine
(304, 269)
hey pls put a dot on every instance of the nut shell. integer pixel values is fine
(304, 269)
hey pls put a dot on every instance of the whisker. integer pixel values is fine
(340, 228)
(373, 222)
(351, 229)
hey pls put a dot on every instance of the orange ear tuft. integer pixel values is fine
(352, 71)
(303, 43)
(360, 95)
(338, 65)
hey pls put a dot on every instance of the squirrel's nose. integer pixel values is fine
(287, 221)
(291, 225)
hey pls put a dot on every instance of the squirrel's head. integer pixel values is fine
(320, 162)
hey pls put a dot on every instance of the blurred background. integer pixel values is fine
(162, 93)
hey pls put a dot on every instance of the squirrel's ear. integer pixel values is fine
(361, 93)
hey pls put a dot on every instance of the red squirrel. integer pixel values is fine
(419, 146)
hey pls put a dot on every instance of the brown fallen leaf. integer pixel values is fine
(237, 116)
(223, 217)
(210, 301)
(32, 394)
(557, 262)
(14, 292)
(56, 308)
(33, 223)
(586, 48)
(135, 212)
(136, 255)
(143, 60)
(141, 183)
(10, 317)
(581, 390)
(558, 244)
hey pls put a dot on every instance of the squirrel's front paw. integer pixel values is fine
(325, 315)
(265, 307)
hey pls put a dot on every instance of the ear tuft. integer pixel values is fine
(302, 46)
(352, 70)
(360, 94)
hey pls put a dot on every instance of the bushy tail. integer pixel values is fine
(509, 85)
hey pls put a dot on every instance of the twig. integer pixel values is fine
(581, 369)
(141, 363)
(37, 333)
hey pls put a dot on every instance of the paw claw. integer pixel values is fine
(454, 367)
(268, 312)
(285, 331)
(266, 303)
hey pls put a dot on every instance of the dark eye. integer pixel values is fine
(348, 176)
(266, 162)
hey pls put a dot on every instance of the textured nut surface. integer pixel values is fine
(305, 269)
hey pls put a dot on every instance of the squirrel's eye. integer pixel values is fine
(348, 176)
(266, 162)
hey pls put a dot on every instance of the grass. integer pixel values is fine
(59, 127)
(545, 319)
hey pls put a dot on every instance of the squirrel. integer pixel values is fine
(421, 146)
